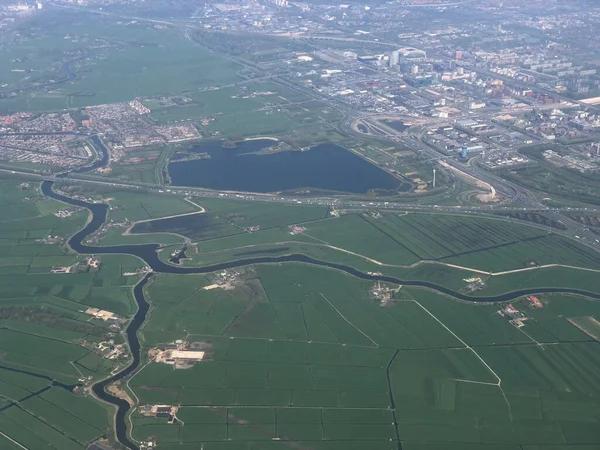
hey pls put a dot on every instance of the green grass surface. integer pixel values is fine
(42, 326)
(196, 227)
(225, 219)
(303, 354)
(262, 214)
(38, 412)
(483, 244)
(135, 206)
(136, 61)
(227, 100)
(394, 241)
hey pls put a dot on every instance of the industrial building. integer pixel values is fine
(411, 53)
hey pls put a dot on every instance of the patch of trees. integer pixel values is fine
(50, 317)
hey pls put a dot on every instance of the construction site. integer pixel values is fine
(91, 263)
(160, 412)
(228, 279)
(106, 316)
(181, 354)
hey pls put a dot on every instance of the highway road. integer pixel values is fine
(519, 197)
(526, 203)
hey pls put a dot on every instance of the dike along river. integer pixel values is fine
(148, 252)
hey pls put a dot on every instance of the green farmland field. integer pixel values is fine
(223, 227)
(454, 248)
(226, 101)
(265, 215)
(43, 325)
(47, 414)
(485, 244)
(136, 61)
(304, 354)
(397, 240)
(301, 355)
(224, 224)
(328, 320)
(197, 227)
(134, 206)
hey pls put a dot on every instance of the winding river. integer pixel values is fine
(148, 253)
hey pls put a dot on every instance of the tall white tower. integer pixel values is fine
(394, 58)
(434, 178)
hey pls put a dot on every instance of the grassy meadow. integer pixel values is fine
(302, 356)
(306, 356)
(46, 338)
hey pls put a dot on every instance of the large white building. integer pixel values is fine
(411, 53)
(394, 58)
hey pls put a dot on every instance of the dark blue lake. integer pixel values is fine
(325, 167)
